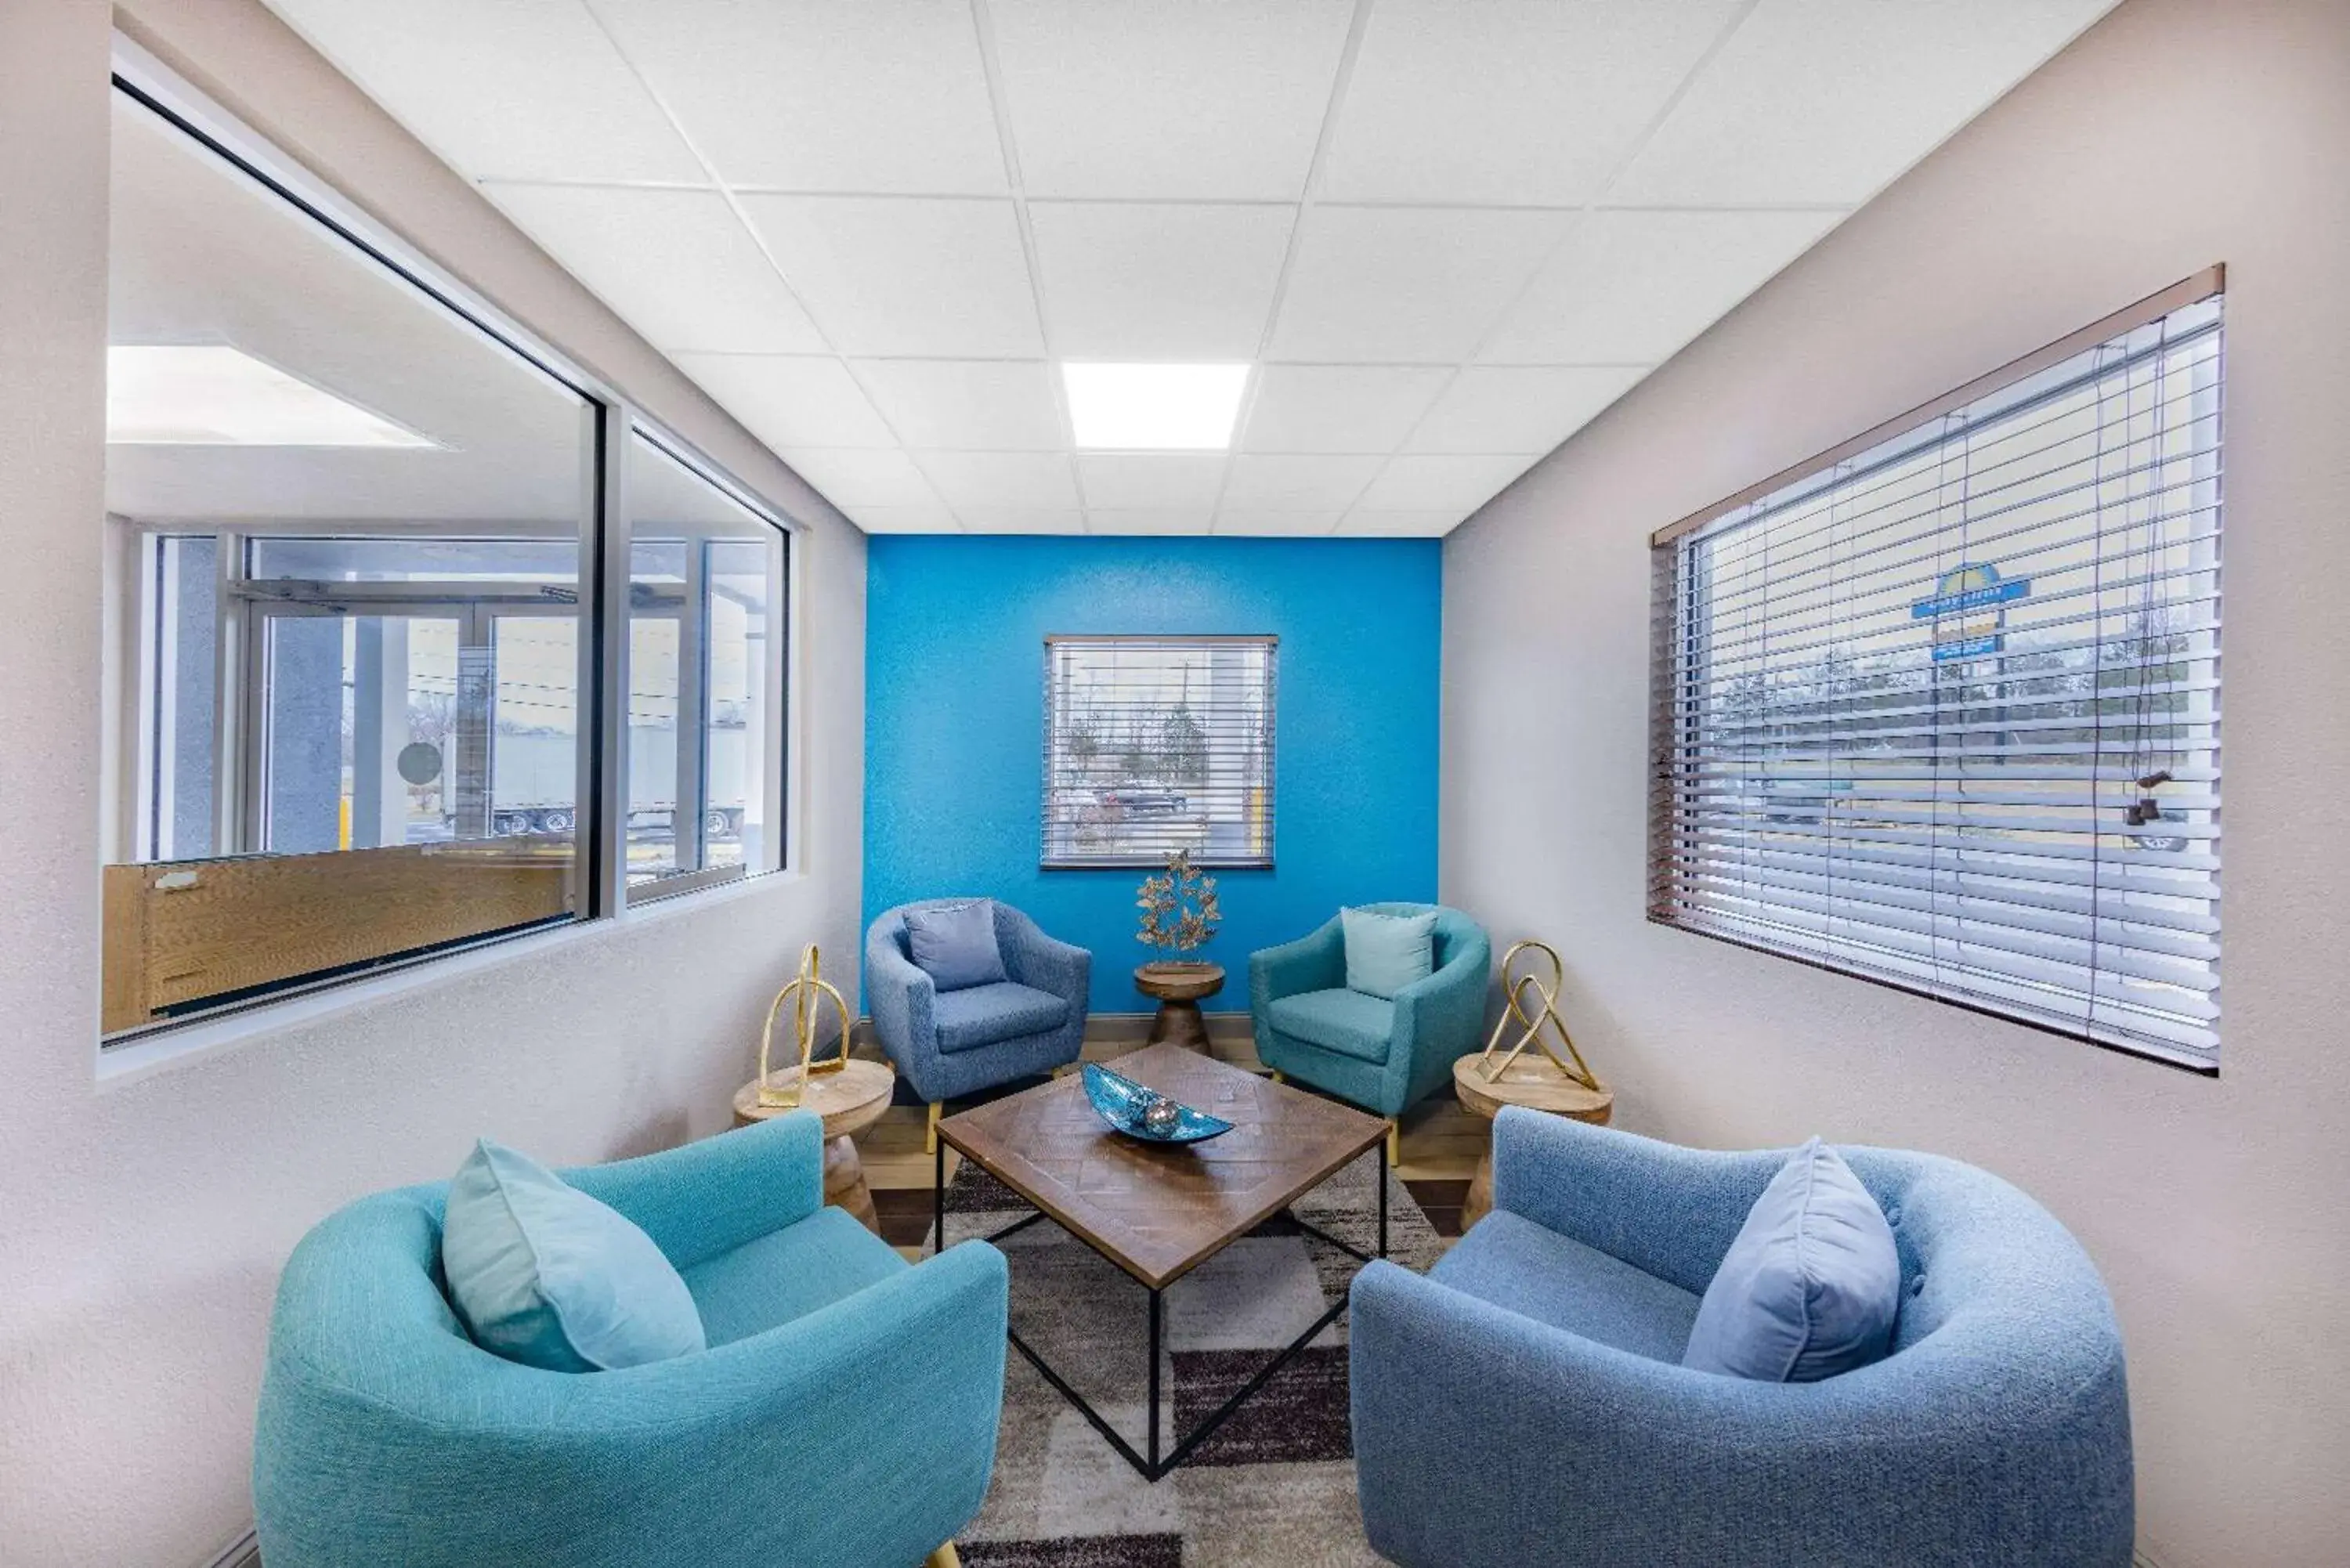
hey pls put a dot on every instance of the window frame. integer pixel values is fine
(612, 418)
(782, 573)
(1676, 614)
(1047, 861)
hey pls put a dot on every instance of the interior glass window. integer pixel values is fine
(705, 679)
(346, 674)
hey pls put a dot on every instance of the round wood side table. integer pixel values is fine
(1179, 987)
(1533, 1081)
(849, 1101)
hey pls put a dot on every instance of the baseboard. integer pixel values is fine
(244, 1551)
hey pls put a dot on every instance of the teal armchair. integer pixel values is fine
(844, 1414)
(1384, 1056)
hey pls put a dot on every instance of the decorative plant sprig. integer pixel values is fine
(1180, 912)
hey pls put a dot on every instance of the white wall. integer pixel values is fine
(2175, 134)
(143, 1223)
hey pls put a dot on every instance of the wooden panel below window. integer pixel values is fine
(181, 931)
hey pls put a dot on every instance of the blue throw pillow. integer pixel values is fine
(955, 945)
(1386, 953)
(1811, 1284)
(544, 1274)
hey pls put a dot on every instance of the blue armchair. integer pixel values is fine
(955, 1043)
(1384, 1056)
(1525, 1401)
(387, 1439)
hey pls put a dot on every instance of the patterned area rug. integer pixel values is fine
(1274, 1484)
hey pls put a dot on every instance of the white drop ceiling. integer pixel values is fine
(1447, 233)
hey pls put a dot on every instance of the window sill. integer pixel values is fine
(696, 895)
(662, 888)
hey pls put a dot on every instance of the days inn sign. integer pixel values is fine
(1967, 609)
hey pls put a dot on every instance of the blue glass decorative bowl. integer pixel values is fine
(1126, 1105)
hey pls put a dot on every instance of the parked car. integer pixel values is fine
(1142, 800)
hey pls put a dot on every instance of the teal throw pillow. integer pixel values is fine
(1810, 1287)
(1386, 953)
(544, 1274)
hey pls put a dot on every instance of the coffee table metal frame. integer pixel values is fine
(1149, 1465)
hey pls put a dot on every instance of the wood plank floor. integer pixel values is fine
(1441, 1143)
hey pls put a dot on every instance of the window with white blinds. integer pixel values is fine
(1154, 744)
(1942, 707)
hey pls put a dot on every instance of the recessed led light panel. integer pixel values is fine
(1154, 408)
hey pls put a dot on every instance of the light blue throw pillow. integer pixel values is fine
(1811, 1285)
(1386, 953)
(544, 1274)
(955, 946)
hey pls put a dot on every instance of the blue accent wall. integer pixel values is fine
(954, 681)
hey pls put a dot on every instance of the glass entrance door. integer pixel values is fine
(415, 724)
(361, 723)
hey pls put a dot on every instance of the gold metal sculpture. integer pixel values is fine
(806, 991)
(1514, 990)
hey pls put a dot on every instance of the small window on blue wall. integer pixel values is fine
(1155, 744)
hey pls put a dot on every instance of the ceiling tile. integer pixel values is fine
(1150, 479)
(1527, 409)
(1338, 407)
(851, 478)
(930, 279)
(863, 298)
(970, 481)
(1021, 520)
(1412, 285)
(930, 519)
(1145, 281)
(1415, 525)
(1247, 520)
(523, 90)
(822, 95)
(677, 266)
(1827, 100)
(1298, 483)
(1512, 101)
(1417, 483)
(968, 404)
(1168, 98)
(790, 400)
(1149, 519)
(1634, 287)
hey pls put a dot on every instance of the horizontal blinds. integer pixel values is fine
(1910, 709)
(1159, 744)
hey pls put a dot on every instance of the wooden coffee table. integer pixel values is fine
(1160, 1211)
